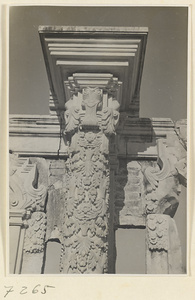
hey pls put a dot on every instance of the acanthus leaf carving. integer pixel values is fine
(85, 227)
(91, 111)
(35, 233)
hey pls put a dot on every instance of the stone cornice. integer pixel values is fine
(49, 28)
(116, 50)
(40, 135)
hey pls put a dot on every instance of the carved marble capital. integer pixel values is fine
(92, 107)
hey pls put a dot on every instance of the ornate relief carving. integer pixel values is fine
(163, 168)
(26, 196)
(35, 234)
(86, 204)
(91, 110)
(24, 193)
(92, 98)
(162, 184)
(85, 229)
(157, 232)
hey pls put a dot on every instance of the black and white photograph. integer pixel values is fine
(98, 99)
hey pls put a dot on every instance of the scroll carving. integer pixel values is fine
(23, 191)
(162, 184)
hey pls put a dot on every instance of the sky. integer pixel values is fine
(164, 80)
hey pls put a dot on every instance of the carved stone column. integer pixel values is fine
(27, 217)
(90, 119)
(162, 190)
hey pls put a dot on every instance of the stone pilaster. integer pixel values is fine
(90, 120)
(27, 217)
(162, 189)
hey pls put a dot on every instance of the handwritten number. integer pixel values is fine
(35, 290)
(8, 291)
(47, 286)
(23, 291)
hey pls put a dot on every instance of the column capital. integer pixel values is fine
(92, 107)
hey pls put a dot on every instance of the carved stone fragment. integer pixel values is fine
(162, 184)
(162, 245)
(157, 232)
(27, 196)
(133, 205)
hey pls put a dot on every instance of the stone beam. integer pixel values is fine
(42, 136)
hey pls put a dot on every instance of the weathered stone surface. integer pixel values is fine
(28, 196)
(162, 184)
(36, 135)
(163, 245)
(129, 199)
(86, 214)
(56, 195)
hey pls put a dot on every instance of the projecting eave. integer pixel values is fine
(116, 52)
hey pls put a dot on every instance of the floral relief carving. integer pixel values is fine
(35, 233)
(86, 218)
(86, 205)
